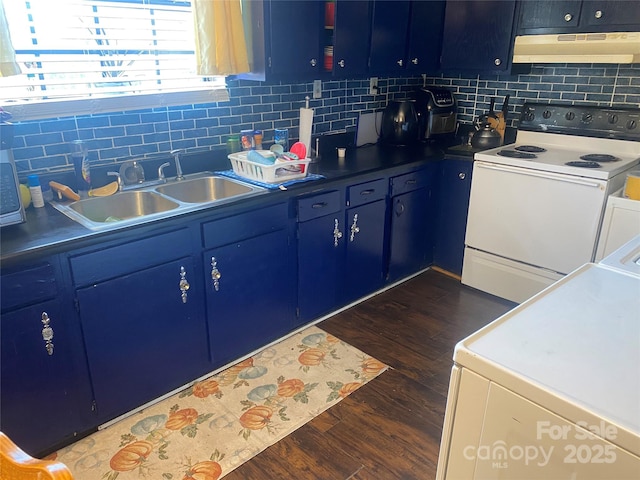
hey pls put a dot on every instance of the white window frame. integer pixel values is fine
(90, 105)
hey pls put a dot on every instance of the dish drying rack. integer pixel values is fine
(276, 173)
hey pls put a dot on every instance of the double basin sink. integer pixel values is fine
(151, 202)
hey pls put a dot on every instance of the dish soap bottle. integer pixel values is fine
(36, 191)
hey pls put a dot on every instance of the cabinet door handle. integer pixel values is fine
(598, 14)
(354, 228)
(497, 61)
(313, 62)
(414, 61)
(568, 17)
(367, 192)
(337, 234)
(411, 181)
(462, 175)
(341, 63)
(399, 208)
(184, 285)
(400, 62)
(215, 274)
(47, 333)
(319, 205)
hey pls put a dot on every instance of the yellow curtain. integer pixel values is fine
(220, 43)
(8, 65)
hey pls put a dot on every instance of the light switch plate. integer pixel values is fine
(317, 89)
(373, 86)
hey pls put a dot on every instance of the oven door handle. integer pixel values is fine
(546, 175)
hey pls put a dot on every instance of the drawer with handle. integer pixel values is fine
(366, 192)
(319, 205)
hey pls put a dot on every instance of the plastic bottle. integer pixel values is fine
(35, 190)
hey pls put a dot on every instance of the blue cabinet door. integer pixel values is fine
(44, 398)
(478, 35)
(250, 294)
(389, 36)
(364, 238)
(142, 339)
(411, 234)
(294, 29)
(321, 243)
(453, 203)
(351, 38)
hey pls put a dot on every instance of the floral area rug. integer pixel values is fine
(212, 427)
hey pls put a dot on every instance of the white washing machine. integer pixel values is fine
(551, 390)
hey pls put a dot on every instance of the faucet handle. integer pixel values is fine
(161, 171)
(118, 179)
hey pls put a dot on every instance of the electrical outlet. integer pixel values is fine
(317, 89)
(373, 86)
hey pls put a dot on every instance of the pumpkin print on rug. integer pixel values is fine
(213, 426)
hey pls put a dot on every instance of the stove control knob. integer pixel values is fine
(587, 118)
(570, 116)
(529, 115)
(632, 124)
(613, 119)
(546, 114)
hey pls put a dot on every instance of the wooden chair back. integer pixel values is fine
(15, 464)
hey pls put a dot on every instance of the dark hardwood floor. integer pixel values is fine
(391, 427)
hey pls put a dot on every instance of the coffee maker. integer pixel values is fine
(436, 108)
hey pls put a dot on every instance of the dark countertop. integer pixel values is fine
(48, 231)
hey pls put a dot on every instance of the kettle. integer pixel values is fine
(486, 137)
(400, 123)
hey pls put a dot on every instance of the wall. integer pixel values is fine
(41, 146)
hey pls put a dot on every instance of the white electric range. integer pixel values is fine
(536, 206)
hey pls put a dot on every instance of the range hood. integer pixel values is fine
(618, 47)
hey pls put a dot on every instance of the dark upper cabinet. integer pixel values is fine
(573, 16)
(351, 36)
(426, 23)
(552, 14)
(389, 36)
(294, 38)
(478, 36)
(615, 14)
(406, 36)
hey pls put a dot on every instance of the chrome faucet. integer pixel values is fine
(118, 179)
(176, 156)
(161, 168)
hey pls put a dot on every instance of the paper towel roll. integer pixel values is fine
(306, 123)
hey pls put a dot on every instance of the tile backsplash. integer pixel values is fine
(41, 146)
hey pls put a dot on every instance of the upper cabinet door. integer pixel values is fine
(610, 13)
(550, 14)
(351, 38)
(478, 36)
(426, 23)
(389, 36)
(295, 32)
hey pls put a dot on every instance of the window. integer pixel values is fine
(72, 52)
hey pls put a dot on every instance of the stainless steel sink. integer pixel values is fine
(154, 201)
(204, 189)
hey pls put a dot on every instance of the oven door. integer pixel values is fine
(541, 219)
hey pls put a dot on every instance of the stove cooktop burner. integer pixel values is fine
(599, 157)
(530, 149)
(584, 164)
(516, 154)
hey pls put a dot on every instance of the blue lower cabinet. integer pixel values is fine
(145, 335)
(412, 212)
(45, 395)
(411, 237)
(250, 292)
(364, 241)
(320, 264)
(453, 204)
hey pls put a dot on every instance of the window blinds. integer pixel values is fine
(80, 49)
